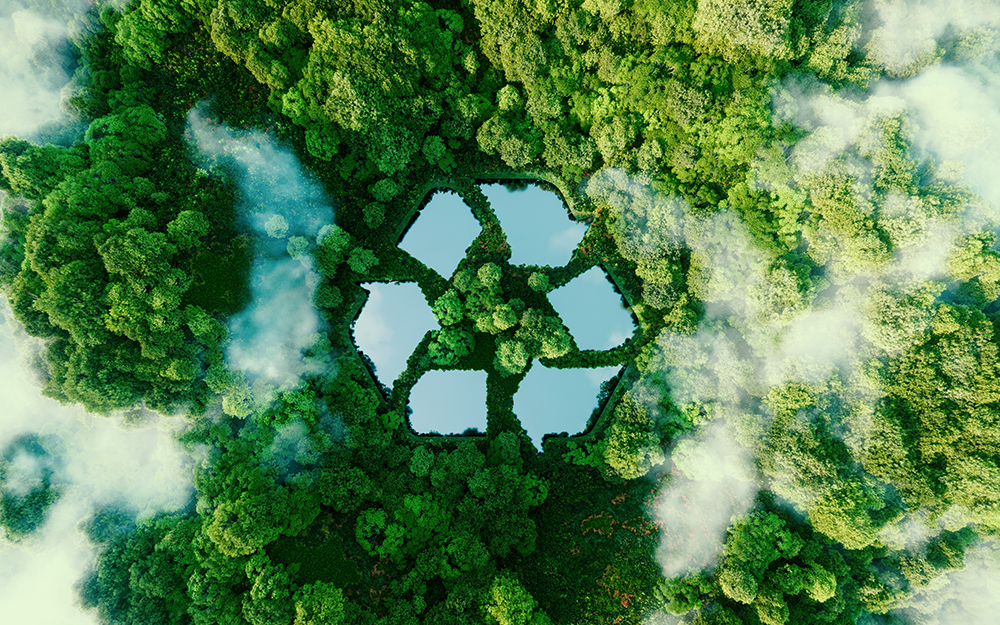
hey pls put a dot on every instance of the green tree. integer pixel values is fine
(508, 603)
(319, 604)
(740, 28)
(448, 308)
(188, 228)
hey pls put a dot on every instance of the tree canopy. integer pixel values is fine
(810, 272)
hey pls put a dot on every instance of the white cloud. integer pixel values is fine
(24, 473)
(33, 53)
(268, 337)
(711, 484)
(97, 462)
(909, 533)
(662, 618)
(272, 182)
(563, 243)
(957, 115)
(599, 376)
(910, 32)
(37, 577)
(965, 597)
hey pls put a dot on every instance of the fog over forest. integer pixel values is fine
(130, 461)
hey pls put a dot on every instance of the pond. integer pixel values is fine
(594, 313)
(558, 400)
(536, 223)
(392, 322)
(442, 232)
(449, 402)
(540, 232)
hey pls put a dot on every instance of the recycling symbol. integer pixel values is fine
(494, 310)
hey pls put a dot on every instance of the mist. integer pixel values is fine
(871, 303)
(712, 482)
(908, 35)
(36, 65)
(286, 208)
(759, 331)
(293, 453)
(132, 462)
(267, 339)
(662, 618)
(965, 597)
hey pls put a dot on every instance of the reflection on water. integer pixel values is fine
(592, 311)
(449, 402)
(558, 400)
(540, 232)
(391, 324)
(441, 234)
(537, 225)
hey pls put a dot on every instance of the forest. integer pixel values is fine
(795, 200)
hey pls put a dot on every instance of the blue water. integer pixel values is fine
(392, 322)
(442, 233)
(449, 402)
(558, 400)
(537, 225)
(593, 312)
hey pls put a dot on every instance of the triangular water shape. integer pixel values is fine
(589, 306)
(442, 233)
(536, 224)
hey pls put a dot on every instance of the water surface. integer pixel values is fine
(558, 400)
(441, 233)
(449, 402)
(392, 322)
(593, 312)
(536, 223)
(540, 232)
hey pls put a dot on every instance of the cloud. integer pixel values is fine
(910, 33)
(24, 473)
(286, 208)
(834, 123)
(662, 618)
(272, 182)
(711, 483)
(956, 111)
(910, 533)
(759, 331)
(953, 114)
(752, 338)
(600, 375)
(37, 578)
(34, 58)
(129, 461)
(965, 597)
(293, 452)
(267, 338)
(563, 242)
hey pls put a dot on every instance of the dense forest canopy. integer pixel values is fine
(795, 200)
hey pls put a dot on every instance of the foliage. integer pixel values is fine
(731, 211)
(26, 488)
